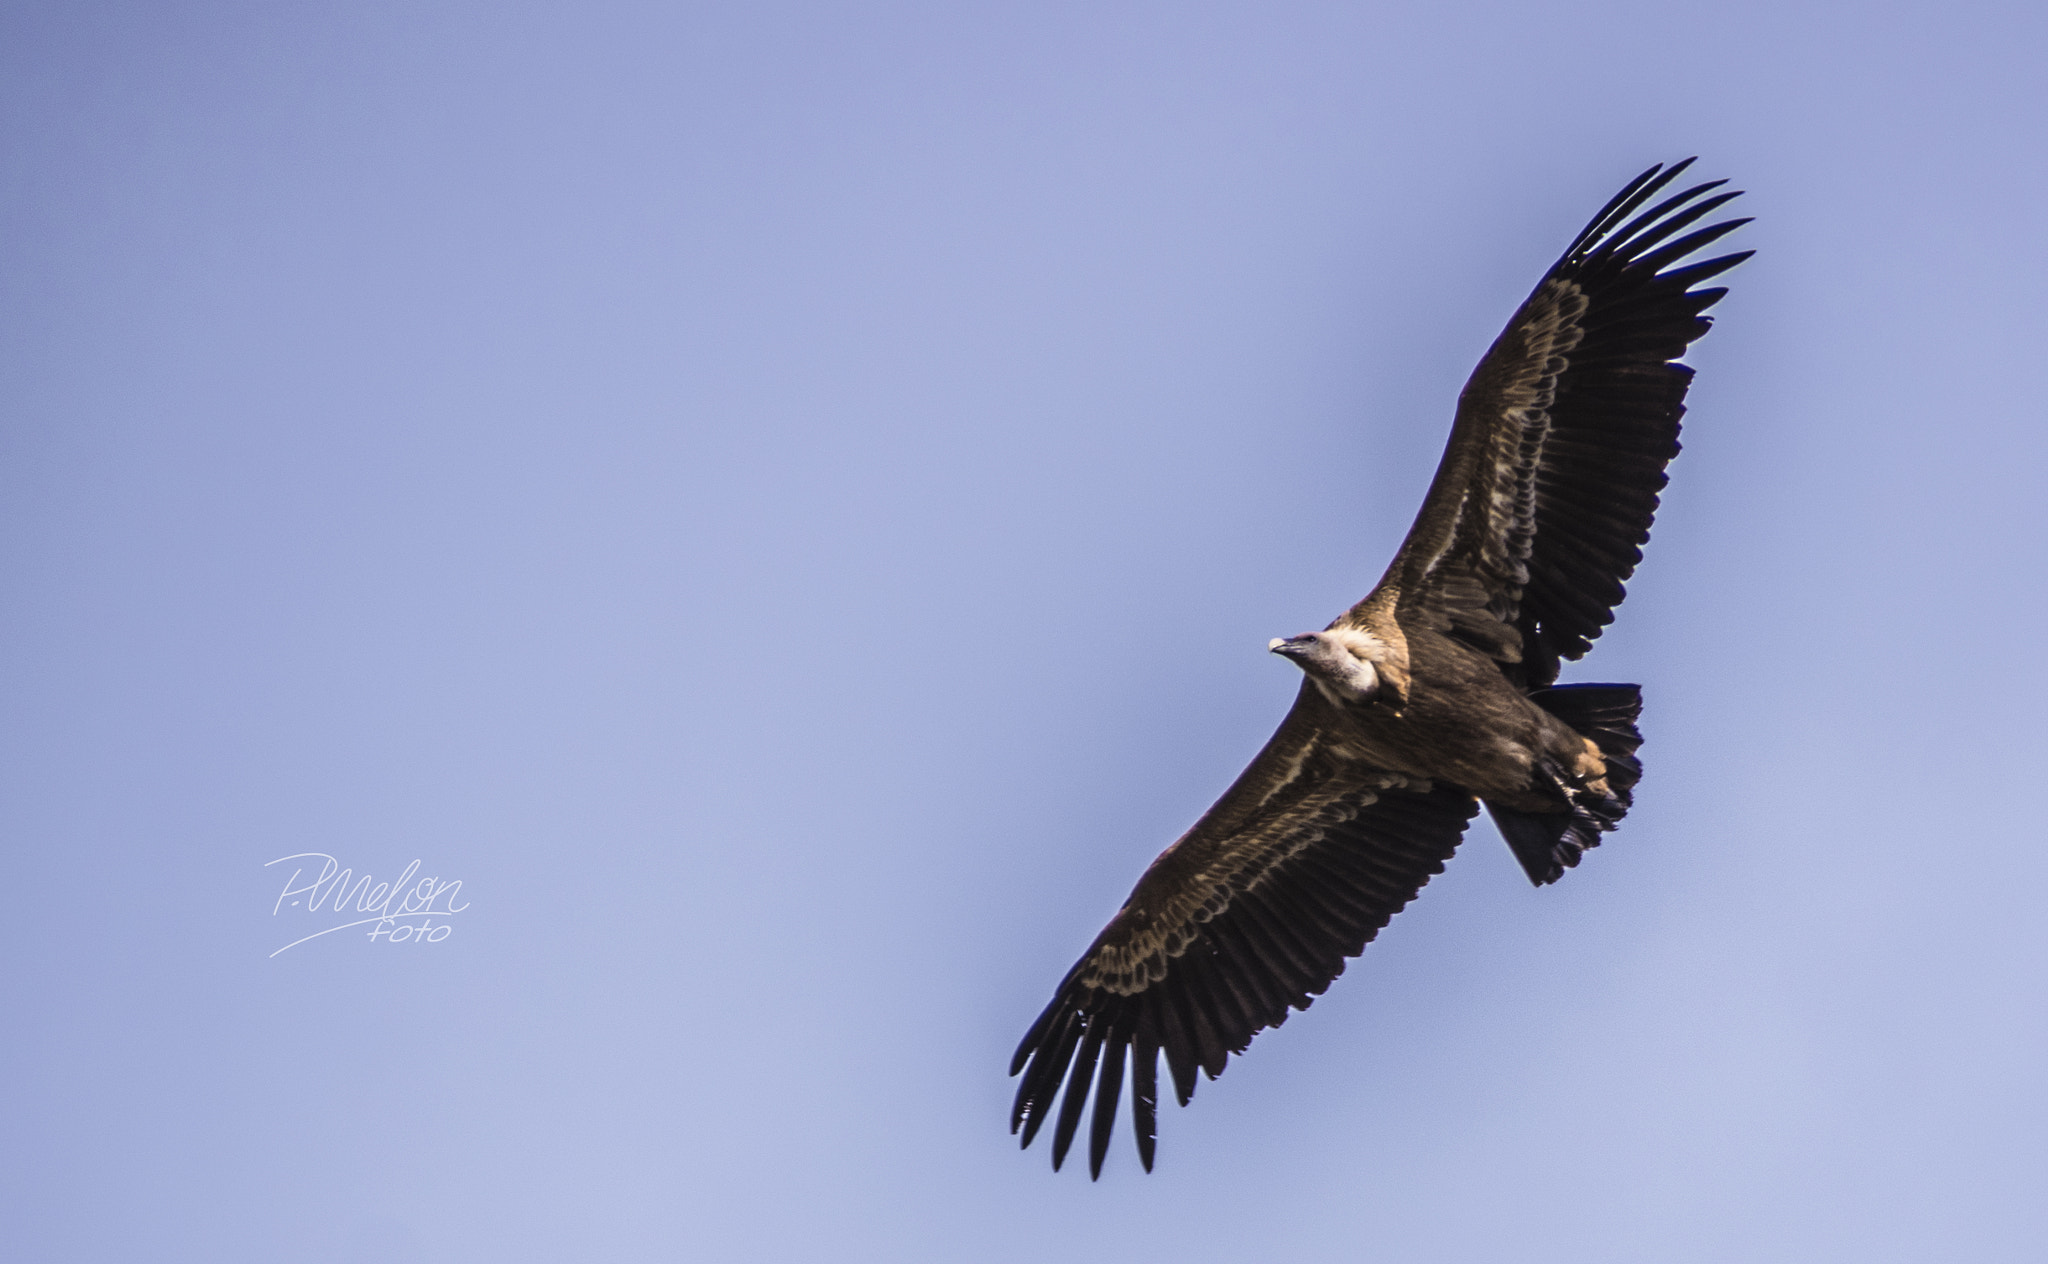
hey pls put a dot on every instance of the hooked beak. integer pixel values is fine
(1289, 646)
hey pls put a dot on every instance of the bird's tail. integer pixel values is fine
(1548, 843)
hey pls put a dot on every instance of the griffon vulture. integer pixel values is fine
(1435, 694)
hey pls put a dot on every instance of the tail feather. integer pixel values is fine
(1607, 714)
(1548, 843)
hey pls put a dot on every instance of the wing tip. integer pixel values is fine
(1612, 234)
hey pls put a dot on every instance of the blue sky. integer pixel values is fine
(786, 504)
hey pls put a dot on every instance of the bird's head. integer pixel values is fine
(1342, 662)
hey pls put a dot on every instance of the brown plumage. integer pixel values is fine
(1434, 694)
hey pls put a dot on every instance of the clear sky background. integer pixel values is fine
(786, 503)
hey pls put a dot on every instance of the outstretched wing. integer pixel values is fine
(1549, 483)
(1251, 913)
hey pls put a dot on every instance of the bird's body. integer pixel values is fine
(1463, 723)
(1431, 696)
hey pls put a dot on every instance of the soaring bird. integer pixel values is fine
(1435, 694)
